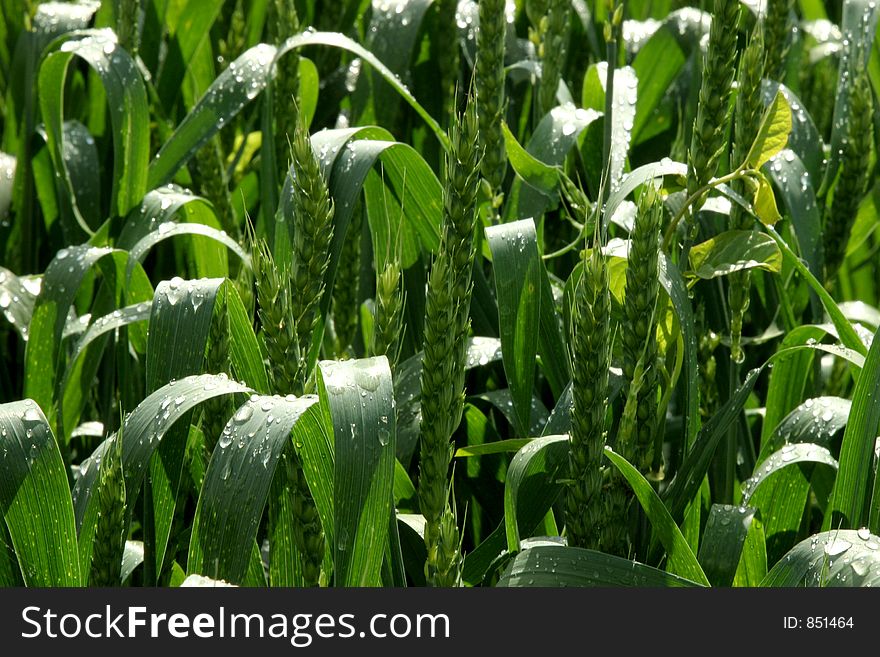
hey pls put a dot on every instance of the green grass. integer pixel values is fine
(202, 217)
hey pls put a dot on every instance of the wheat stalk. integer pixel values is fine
(707, 138)
(818, 83)
(278, 319)
(489, 74)
(388, 316)
(639, 331)
(446, 325)
(447, 53)
(554, 45)
(312, 224)
(286, 81)
(852, 181)
(108, 545)
(590, 358)
(747, 120)
(778, 36)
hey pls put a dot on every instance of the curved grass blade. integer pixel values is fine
(59, 288)
(406, 176)
(817, 420)
(35, 499)
(240, 83)
(171, 229)
(788, 380)
(359, 395)
(552, 565)
(129, 116)
(833, 558)
(342, 42)
(555, 135)
(782, 498)
(681, 560)
(638, 177)
(157, 213)
(347, 157)
(531, 485)
(127, 316)
(81, 162)
(850, 499)
(735, 250)
(179, 327)
(516, 264)
(143, 432)
(131, 559)
(788, 455)
(845, 330)
(237, 484)
(795, 185)
(690, 475)
(17, 297)
(752, 568)
(244, 350)
(50, 20)
(537, 174)
(803, 139)
(721, 547)
(391, 35)
(79, 374)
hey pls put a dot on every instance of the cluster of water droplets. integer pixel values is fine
(240, 83)
(690, 23)
(7, 178)
(17, 298)
(635, 34)
(482, 351)
(840, 558)
(55, 17)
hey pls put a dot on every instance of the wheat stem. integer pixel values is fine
(852, 181)
(490, 76)
(109, 542)
(707, 138)
(640, 328)
(446, 326)
(747, 122)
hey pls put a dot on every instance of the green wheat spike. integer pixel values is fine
(490, 75)
(707, 138)
(747, 121)
(852, 181)
(109, 541)
(446, 325)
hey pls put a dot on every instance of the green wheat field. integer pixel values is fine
(439, 293)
